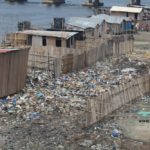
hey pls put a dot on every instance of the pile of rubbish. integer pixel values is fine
(93, 81)
(45, 95)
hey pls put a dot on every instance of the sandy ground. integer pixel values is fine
(142, 41)
(142, 46)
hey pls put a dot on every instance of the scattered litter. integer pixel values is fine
(116, 133)
(128, 70)
(40, 95)
(86, 143)
(144, 113)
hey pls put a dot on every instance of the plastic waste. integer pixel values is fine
(115, 133)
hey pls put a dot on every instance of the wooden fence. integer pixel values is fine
(64, 60)
(40, 61)
(106, 103)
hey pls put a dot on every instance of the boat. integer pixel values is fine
(93, 4)
(53, 1)
(18, 1)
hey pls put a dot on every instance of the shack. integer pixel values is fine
(46, 47)
(115, 24)
(92, 27)
(13, 69)
(42, 38)
(61, 52)
(132, 12)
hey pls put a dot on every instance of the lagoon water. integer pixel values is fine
(41, 14)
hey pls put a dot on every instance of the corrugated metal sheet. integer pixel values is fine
(84, 22)
(59, 34)
(13, 69)
(126, 9)
(111, 19)
(93, 21)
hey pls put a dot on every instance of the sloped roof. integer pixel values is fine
(84, 22)
(93, 21)
(126, 9)
(59, 34)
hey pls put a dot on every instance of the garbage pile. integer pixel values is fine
(45, 95)
(91, 81)
(46, 112)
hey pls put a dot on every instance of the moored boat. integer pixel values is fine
(53, 1)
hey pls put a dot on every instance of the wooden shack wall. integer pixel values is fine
(17, 39)
(13, 71)
(86, 53)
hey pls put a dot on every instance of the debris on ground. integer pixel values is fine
(44, 114)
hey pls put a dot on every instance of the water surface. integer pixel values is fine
(42, 15)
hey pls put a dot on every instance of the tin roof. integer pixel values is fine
(111, 19)
(92, 22)
(84, 22)
(59, 34)
(126, 9)
(7, 50)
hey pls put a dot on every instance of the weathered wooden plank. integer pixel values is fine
(108, 102)
(13, 69)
